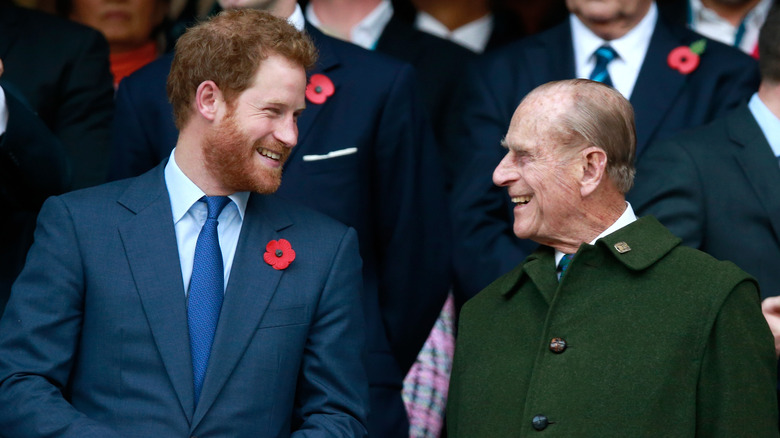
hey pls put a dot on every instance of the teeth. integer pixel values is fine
(521, 199)
(269, 154)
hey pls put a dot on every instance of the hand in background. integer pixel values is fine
(770, 307)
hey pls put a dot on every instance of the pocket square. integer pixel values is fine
(331, 154)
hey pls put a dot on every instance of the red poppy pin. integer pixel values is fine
(279, 254)
(320, 88)
(685, 59)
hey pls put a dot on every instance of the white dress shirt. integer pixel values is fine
(3, 112)
(297, 19)
(630, 48)
(626, 218)
(708, 23)
(189, 215)
(367, 32)
(473, 36)
(767, 121)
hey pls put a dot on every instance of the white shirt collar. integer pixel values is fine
(367, 32)
(473, 36)
(626, 218)
(767, 121)
(708, 23)
(631, 49)
(183, 193)
(296, 19)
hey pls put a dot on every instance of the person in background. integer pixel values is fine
(192, 301)
(732, 22)
(56, 105)
(374, 25)
(611, 327)
(134, 29)
(477, 25)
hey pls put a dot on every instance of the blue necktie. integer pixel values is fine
(206, 291)
(604, 55)
(563, 265)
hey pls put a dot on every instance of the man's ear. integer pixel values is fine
(209, 100)
(594, 166)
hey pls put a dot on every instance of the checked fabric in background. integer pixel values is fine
(426, 384)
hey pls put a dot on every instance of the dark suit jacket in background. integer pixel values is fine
(391, 191)
(439, 64)
(661, 340)
(94, 342)
(664, 100)
(59, 94)
(716, 187)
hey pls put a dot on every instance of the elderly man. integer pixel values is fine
(621, 42)
(190, 301)
(636, 335)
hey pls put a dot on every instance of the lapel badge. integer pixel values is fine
(279, 254)
(622, 247)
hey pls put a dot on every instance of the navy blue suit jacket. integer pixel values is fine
(94, 341)
(664, 100)
(391, 190)
(718, 194)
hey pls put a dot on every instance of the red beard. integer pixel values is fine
(232, 158)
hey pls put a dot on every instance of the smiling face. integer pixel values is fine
(540, 173)
(247, 146)
(609, 19)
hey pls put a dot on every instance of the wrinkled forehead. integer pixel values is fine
(538, 119)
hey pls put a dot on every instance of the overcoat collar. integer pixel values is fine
(648, 240)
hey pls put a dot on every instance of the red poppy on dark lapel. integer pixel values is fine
(685, 59)
(279, 254)
(320, 88)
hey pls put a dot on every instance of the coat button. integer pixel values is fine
(557, 345)
(540, 422)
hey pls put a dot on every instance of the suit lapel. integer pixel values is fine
(758, 162)
(541, 271)
(558, 66)
(328, 63)
(657, 86)
(250, 288)
(149, 240)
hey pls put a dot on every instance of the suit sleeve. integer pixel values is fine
(413, 228)
(83, 120)
(736, 395)
(333, 387)
(33, 161)
(485, 246)
(669, 186)
(39, 335)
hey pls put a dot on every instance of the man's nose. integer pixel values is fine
(505, 172)
(287, 132)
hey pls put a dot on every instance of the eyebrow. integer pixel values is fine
(504, 144)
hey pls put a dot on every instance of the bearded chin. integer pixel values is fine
(230, 158)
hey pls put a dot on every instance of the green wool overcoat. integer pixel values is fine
(641, 338)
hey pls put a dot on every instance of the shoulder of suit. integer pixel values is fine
(299, 213)
(707, 140)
